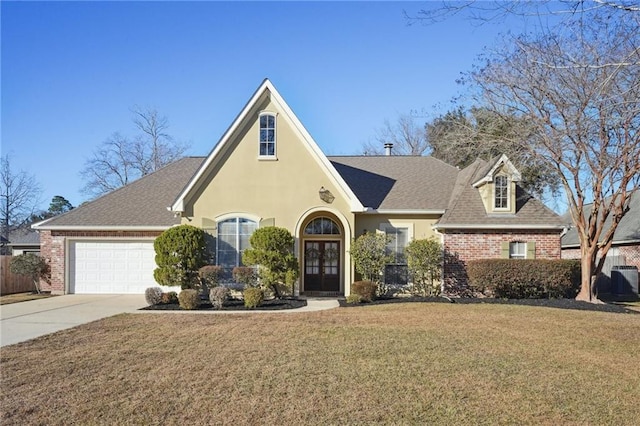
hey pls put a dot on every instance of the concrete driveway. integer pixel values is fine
(27, 320)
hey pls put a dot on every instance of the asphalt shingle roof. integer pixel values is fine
(398, 182)
(141, 203)
(466, 206)
(628, 229)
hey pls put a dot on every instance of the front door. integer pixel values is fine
(322, 266)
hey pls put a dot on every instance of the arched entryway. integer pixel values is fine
(322, 255)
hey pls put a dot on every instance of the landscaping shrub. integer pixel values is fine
(523, 279)
(354, 299)
(424, 260)
(245, 275)
(218, 296)
(272, 250)
(180, 253)
(253, 297)
(210, 275)
(32, 265)
(170, 298)
(153, 295)
(365, 289)
(369, 254)
(189, 299)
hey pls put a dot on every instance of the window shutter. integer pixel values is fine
(270, 221)
(531, 250)
(504, 250)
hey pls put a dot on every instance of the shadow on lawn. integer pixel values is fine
(546, 303)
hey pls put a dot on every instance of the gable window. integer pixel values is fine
(501, 197)
(397, 271)
(232, 241)
(267, 135)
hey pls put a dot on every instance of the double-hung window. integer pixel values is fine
(267, 135)
(396, 272)
(501, 196)
(517, 250)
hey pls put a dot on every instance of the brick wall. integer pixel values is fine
(53, 246)
(463, 246)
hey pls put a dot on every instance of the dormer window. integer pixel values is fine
(501, 192)
(267, 135)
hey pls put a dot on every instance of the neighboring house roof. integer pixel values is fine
(628, 230)
(265, 91)
(466, 209)
(24, 237)
(398, 183)
(141, 204)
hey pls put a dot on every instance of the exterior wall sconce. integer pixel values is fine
(326, 195)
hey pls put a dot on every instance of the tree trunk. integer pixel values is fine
(588, 280)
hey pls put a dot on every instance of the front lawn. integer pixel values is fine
(413, 363)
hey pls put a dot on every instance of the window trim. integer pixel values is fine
(274, 156)
(507, 195)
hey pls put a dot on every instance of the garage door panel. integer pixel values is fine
(115, 267)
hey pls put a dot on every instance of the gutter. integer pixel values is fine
(484, 226)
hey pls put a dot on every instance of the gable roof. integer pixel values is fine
(485, 173)
(263, 92)
(398, 183)
(628, 230)
(140, 205)
(466, 209)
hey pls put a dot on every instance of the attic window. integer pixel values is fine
(501, 198)
(267, 135)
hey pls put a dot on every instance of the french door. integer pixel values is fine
(322, 266)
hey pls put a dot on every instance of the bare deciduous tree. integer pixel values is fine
(19, 196)
(579, 87)
(406, 134)
(120, 160)
(459, 137)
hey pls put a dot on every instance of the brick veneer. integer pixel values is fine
(630, 252)
(463, 246)
(53, 246)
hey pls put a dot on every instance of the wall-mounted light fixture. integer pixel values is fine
(326, 195)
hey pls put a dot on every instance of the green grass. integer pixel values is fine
(387, 364)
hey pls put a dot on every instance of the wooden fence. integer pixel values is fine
(13, 283)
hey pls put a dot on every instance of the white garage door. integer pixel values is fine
(111, 267)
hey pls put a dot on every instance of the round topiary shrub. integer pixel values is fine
(170, 298)
(153, 295)
(253, 297)
(210, 275)
(189, 299)
(218, 296)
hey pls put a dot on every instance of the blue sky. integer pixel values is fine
(72, 71)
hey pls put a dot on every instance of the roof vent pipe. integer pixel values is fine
(387, 148)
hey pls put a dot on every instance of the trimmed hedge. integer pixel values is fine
(365, 289)
(525, 279)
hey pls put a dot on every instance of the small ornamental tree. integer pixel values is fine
(370, 255)
(424, 260)
(272, 250)
(180, 253)
(32, 265)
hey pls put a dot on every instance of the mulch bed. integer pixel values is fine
(547, 303)
(236, 305)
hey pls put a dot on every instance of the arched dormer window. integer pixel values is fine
(267, 134)
(501, 192)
